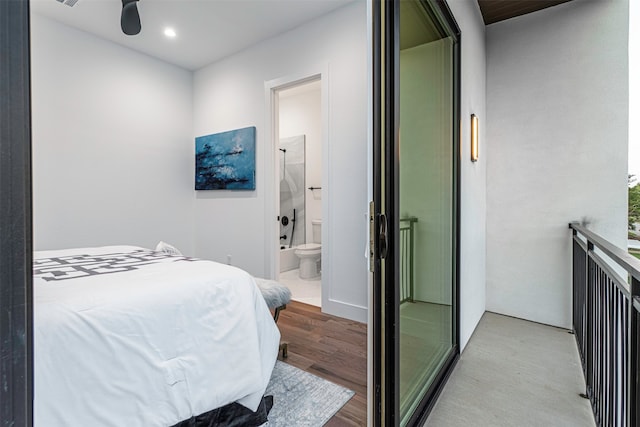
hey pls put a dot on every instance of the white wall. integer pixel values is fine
(112, 143)
(230, 94)
(473, 181)
(557, 99)
(300, 114)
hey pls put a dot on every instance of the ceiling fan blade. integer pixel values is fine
(130, 19)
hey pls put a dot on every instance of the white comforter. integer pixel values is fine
(147, 347)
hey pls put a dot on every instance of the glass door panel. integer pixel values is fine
(414, 214)
(426, 212)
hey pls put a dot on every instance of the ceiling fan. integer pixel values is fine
(130, 18)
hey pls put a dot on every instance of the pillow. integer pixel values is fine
(167, 249)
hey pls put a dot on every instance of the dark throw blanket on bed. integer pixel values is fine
(232, 415)
(78, 266)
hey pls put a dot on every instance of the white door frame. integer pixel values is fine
(272, 162)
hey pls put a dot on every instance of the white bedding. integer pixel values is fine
(152, 346)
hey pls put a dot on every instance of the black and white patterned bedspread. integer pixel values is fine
(76, 266)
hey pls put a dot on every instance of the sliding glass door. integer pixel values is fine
(426, 185)
(416, 209)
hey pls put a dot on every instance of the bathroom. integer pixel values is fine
(300, 180)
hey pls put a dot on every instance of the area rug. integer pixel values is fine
(303, 399)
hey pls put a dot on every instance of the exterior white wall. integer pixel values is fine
(300, 114)
(473, 176)
(557, 99)
(112, 143)
(229, 94)
(634, 90)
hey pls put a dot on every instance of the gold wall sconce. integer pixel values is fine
(474, 138)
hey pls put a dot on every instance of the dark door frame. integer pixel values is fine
(16, 303)
(377, 208)
(386, 295)
(385, 210)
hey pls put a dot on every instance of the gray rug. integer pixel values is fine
(303, 399)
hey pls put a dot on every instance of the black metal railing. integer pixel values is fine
(406, 258)
(606, 311)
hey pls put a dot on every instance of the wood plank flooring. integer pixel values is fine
(332, 348)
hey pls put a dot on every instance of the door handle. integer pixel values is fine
(383, 246)
(372, 237)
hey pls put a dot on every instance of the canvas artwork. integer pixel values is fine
(226, 160)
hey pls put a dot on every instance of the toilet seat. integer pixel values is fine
(309, 248)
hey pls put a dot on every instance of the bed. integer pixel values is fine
(130, 336)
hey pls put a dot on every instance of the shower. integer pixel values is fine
(285, 219)
(292, 191)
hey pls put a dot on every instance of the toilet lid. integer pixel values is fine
(309, 247)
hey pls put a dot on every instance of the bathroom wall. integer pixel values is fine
(230, 94)
(300, 115)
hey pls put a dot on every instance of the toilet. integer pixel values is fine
(309, 253)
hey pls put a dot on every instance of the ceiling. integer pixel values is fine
(207, 30)
(499, 10)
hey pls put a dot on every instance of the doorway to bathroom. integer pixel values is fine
(298, 137)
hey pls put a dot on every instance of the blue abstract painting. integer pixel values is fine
(227, 160)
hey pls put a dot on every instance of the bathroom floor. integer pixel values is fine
(306, 291)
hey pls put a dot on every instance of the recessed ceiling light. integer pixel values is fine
(170, 32)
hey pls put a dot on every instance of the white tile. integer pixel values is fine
(306, 291)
